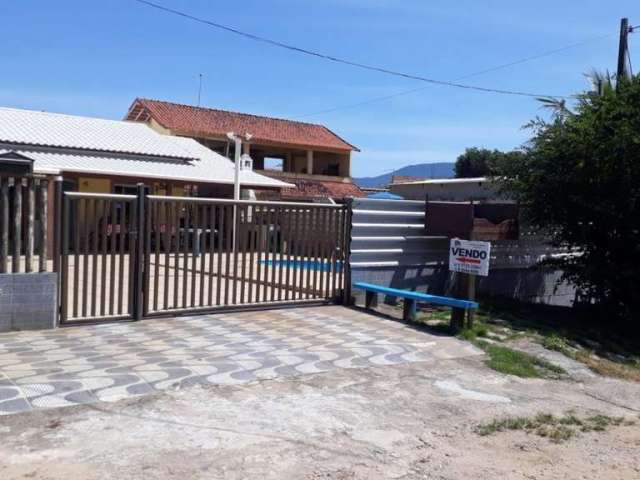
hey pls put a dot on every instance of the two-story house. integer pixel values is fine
(310, 156)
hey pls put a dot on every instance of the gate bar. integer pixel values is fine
(236, 202)
(63, 273)
(141, 263)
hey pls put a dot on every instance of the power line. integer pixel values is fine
(343, 61)
(480, 72)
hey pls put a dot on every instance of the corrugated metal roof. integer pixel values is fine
(27, 127)
(206, 170)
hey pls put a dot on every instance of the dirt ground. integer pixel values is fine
(409, 421)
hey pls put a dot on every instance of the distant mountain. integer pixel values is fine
(429, 170)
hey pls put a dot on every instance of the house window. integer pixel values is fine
(123, 189)
(276, 164)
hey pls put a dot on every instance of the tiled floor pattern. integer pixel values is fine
(113, 361)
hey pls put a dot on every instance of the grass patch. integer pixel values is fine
(500, 358)
(607, 348)
(625, 368)
(520, 364)
(471, 334)
(558, 429)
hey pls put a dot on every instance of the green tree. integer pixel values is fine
(579, 181)
(479, 162)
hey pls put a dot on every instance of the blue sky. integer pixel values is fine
(94, 58)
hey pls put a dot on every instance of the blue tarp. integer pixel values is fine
(385, 196)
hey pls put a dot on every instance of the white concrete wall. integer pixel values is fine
(446, 191)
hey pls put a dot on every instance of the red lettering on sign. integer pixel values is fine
(468, 260)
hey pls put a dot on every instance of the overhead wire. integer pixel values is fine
(343, 61)
(480, 72)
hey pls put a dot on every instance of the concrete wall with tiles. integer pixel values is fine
(27, 301)
(390, 246)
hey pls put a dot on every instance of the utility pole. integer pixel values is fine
(622, 49)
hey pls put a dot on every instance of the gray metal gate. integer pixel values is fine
(126, 257)
(99, 252)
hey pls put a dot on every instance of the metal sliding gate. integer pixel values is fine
(132, 256)
(98, 257)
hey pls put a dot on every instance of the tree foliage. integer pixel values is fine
(579, 181)
(480, 162)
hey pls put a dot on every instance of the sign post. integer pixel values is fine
(467, 259)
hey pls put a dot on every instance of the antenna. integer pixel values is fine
(199, 87)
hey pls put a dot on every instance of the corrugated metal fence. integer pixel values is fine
(391, 246)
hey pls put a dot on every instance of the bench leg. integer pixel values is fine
(457, 318)
(370, 299)
(409, 310)
(470, 317)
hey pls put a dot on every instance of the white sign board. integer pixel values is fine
(469, 257)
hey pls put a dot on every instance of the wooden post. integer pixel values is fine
(17, 224)
(4, 224)
(471, 295)
(457, 314)
(31, 204)
(44, 221)
(464, 288)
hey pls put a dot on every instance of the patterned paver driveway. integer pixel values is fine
(109, 362)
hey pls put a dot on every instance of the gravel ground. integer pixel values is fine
(409, 421)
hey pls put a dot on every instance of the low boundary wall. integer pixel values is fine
(28, 301)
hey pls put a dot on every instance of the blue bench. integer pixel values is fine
(410, 299)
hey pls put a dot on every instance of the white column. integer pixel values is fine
(310, 162)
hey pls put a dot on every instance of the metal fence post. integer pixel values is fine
(346, 297)
(56, 254)
(140, 254)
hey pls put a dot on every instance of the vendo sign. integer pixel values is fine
(469, 257)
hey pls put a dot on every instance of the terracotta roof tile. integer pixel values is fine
(199, 121)
(406, 178)
(321, 189)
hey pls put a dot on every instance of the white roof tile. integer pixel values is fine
(205, 170)
(64, 143)
(29, 127)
